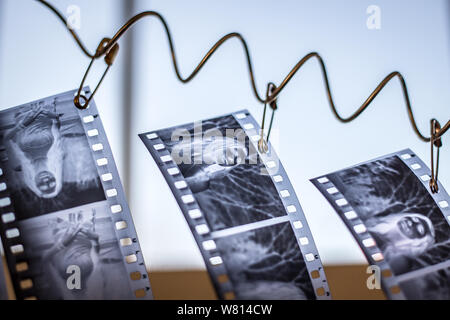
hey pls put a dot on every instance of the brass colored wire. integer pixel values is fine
(141, 15)
(277, 91)
(109, 59)
(72, 32)
(436, 142)
(108, 48)
(443, 130)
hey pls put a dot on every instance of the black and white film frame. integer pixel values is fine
(123, 224)
(120, 212)
(3, 288)
(21, 275)
(389, 282)
(199, 226)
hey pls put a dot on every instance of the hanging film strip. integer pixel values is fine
(401, 226)
(241, 209)
(65, 224)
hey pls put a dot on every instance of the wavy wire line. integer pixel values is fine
(277, 91)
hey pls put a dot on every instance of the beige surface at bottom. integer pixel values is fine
(346, 282)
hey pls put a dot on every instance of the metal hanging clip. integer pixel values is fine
(263, 143)
(80, 100)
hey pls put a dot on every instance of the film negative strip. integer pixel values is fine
(3, 288)
(65, 223)
(241, 209)
(402, 228)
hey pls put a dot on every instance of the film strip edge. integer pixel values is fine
(193, 215)
(291, 204)
(200, 229)
(115, 196)
(14, 250)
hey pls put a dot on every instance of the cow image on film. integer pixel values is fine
(74, 254)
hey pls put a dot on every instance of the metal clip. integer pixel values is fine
(110, 56)
(436, 141)
(263, 143)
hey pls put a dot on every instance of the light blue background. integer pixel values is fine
(38, 58)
